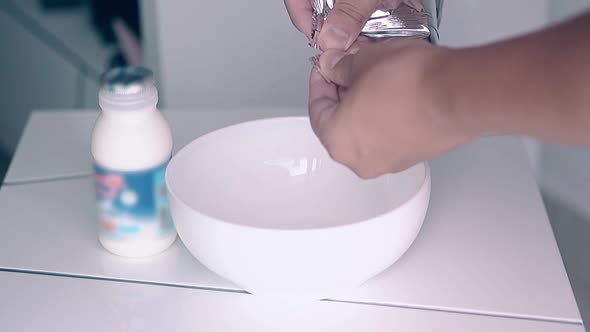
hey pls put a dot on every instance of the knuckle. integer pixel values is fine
(338, 152)
(341, 153)
(368, 164)
(349, 156)
(366, 169)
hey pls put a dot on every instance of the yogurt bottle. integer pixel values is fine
(131, 146)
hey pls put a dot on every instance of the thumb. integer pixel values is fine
(345, 22)
(337, 67)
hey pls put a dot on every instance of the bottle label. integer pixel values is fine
(133, 205)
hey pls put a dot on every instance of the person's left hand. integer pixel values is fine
(385, 109)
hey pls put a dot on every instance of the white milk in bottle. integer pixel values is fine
(131, 146)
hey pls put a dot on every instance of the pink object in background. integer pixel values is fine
(129, 43)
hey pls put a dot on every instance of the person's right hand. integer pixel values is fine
(386, 107)
(344, 22)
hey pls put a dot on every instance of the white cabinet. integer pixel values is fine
(48, 60)
(34, 76)
(91, 88)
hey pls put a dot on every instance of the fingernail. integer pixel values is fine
(315, 61)
(334, 37)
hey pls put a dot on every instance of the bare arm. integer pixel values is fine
(536, 85)
(398, 102)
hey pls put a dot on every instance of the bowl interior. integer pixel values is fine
(274, 173)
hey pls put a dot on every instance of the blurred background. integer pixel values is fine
(231, 54)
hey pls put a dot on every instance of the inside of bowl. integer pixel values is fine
(274, 173)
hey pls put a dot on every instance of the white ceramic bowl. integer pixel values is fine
(262, 204)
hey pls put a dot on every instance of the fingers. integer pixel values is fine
(300, 13)
(344, 23)
(343, 67)
(327, 120)
(323, 101)
(337, 66)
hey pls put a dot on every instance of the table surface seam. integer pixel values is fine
(229, 290)
(57, 178)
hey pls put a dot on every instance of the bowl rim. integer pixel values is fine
(426, 181)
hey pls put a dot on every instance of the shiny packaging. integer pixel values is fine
(402, 21)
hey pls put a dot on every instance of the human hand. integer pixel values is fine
(385, 109)
(345, 21)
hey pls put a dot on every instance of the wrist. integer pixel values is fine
(444, 88)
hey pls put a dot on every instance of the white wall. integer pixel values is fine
(475, 22)
(228, 54)
(562, 9)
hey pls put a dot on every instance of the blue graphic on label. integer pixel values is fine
(133, 204)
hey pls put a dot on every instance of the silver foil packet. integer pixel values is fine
(402, 21)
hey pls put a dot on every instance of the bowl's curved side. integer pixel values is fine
(405, 222)
(309, 263)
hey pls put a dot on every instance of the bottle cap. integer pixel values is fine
(127, 88)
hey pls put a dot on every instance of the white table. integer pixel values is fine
(57, 144)
(486, 247)
(50, 303)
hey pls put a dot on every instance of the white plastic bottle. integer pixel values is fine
(131, 146)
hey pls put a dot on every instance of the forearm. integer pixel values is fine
(536, 85)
